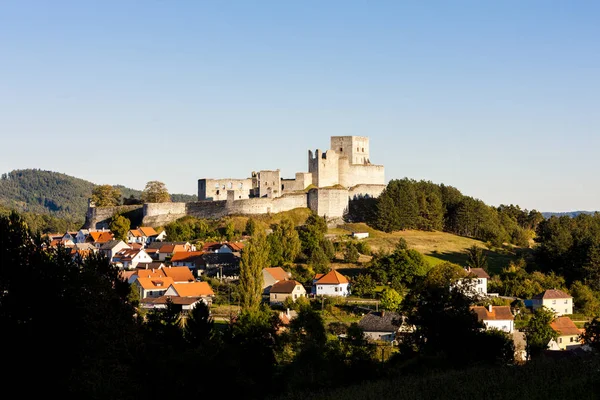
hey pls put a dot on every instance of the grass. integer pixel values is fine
(436, 246)
(540, 380)
(297, 215)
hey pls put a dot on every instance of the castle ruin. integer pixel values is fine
(333, 178)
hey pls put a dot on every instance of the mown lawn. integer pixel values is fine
(436, 246)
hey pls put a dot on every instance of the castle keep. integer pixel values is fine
(333, 178)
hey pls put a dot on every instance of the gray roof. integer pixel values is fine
(218, 259)
(376, 322)
(84, 246)
(110, 244)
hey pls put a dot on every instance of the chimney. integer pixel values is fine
(287, 312)
(490, 308)
(382, 313)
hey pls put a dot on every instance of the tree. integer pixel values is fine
(351, 253)
(476, 257)
(363, 285)
(584, 299)
(106, 196)
(199, 325)
(250, 227)
(318, 261)
(290, 241)
(155, 192)
(230, 231)
(119, 226)
(591, 334)
(255, 257)
(390, 299)
(539, 332)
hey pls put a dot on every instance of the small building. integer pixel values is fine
(381, 325)
(129, 258)
(81, 235)
(281, 290)
(219, 264)
(190, 259)
(152, 287)
(360, 235)
(331, 284)
(194, 289)
(112, 247)
(496, 317)
(568, 334)
(481, 278)
(554, 299)
(98, 238)
(144, 235)
(273, 275)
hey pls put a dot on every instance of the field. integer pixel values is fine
(436, 246)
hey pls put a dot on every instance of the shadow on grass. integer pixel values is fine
(496, 260)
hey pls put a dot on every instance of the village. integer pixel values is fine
(162, 272)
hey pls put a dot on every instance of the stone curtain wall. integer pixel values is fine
(352, 175)
(368, 190)
(330, 203)
(265, 205)
(208, 190)
(99, 217)
(158, 214)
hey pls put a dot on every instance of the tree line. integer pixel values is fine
(423, 205)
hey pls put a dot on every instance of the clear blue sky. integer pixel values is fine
(500, 99)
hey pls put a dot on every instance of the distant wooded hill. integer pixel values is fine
(571, 214)
(46, 192)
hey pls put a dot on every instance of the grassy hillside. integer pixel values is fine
(547, 379)
(57, 194)
(436, 246)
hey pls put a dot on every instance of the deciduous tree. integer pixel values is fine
(106, 196)
(155, 192)
(119, 226)
(255, 257)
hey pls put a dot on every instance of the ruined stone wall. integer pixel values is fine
(330, 203)
(216, 189)
(99, 217)
(269, 183)
(207, 209)
(356, 148)
(266, 205)
(158, 214)
(366, 190)
(324, 168)
(301, 182)
(352, 175)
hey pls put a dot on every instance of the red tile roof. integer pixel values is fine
(155, 283)
(183, 256)
(552, 294)
(498, 313)
(147, 231)
(565, 327)
(194, 289)
(278, 273)
(331, 278)
(179, 274)
(479, 272)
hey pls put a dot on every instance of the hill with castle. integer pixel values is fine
(333, 178)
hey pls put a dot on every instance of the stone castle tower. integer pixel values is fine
(346, 163)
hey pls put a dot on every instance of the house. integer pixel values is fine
(179, 274)
(219, 264)
(568, 334)
(144, 235)
(331, 284)
(360, 235)
(496, 317)
(183, 304)
(273, 275)
(285, 318)
(200, 290)
(146, 273)
(98, 238)
(112, 247)
(481, 277)
(156, 265)
(152, 287)
(81, 235)
(554, 299)
(167, 250)
(189, 259)
(284, 289)
(382, 325)
(72, 236)
(130, 258)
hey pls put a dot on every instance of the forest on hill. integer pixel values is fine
(56, 194)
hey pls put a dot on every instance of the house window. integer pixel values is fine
(341, 150)
(559, 340)
(295, 296)
(275, 296)
(217, 192)
(566, 301)
(571, 340)
(363, 149)
(553, 301)
(565, 310)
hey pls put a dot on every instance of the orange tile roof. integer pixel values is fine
(498, 313)
(125, 275)
(172, 248)
(237, 246)
(147, 231)
(135, 232)
(565, 327)
(155, 283)
(101, 237)
(185, 255)
(278, 273)
(195, 289)
(150, 273)
(179, 274)
(332, 278)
